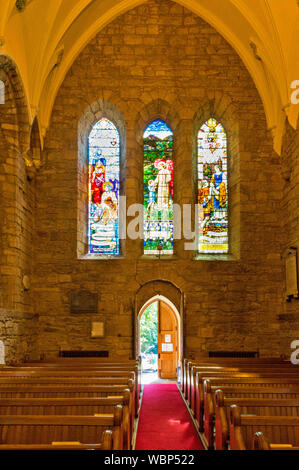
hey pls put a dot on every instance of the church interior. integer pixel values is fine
(149, 235)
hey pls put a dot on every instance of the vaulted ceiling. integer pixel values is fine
(43, 38)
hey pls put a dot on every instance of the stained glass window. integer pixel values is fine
(158, 189)
(104, 175)
(212, 188)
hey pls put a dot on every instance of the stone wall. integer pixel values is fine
(159, 60)
(289, 215)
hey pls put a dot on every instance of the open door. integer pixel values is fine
(159, 338)
(167, 342)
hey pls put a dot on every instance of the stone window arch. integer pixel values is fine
(158, 188)
(99, 121)
(212, 181)
(221, 112)
(104, 179)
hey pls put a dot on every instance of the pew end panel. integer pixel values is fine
(259, 442)
(236, 436)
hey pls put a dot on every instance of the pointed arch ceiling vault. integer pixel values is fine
(44, 38)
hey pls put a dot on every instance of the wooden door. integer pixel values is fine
(167, 342)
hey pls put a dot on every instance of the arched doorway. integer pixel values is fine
(165, 344)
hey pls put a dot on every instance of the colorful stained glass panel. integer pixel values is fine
(158, 189)
(104, 172)
(212, 188)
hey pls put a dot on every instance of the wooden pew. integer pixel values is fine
(81, 360)
(64, 381)
(23, 381)
(71, 406)
(192, 367)
(261, 442)
(85, 406)
(258, 392)
(78, 362)
(76, 371)
(106, 444)
(27, 379)
(252, 369)
(44, 376)
(224, 361)
(279, 429)
(74, 367)
(32, 430)
(57, 446)
(79, 391)
(54, 391)
(49, 373)
(230, 370)
(238, 380)
(247, 406)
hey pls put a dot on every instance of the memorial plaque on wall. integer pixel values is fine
(83, 301)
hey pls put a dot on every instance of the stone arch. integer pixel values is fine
(159, 289)
(167, 112)
(222, 108)
(16, 97)
(229, 29)
(92, 114)
(14, 143)
(17, 199)
(156, 109)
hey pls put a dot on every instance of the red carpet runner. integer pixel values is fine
(164, 422)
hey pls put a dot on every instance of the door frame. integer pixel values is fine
(164, 299)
